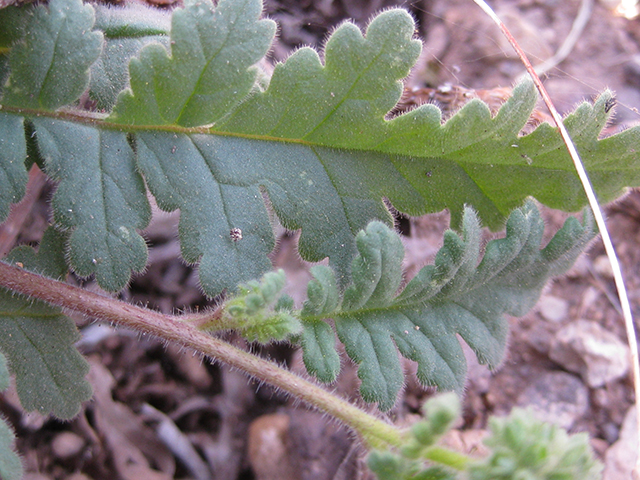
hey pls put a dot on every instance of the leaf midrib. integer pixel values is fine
(97, 120)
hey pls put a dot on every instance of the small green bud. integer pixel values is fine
(254, 303)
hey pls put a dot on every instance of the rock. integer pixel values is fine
(469, 442)
(66, 445)
(320, 449)
(553, 309)
(621, 457)
(78, 476)
(268, 448)
(596, 354)
(602, 266)
(556, 397)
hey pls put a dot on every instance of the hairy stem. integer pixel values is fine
(374, 432)
(445, 456)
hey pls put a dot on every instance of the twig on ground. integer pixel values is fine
(581, 20)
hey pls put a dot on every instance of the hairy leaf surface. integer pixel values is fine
(50, 68)
(38, 340)
(13, 151)
(12, 23)
(126, 32)
(101, 197)
(454, 297)
(209, 71)
(216, 185)
(327, 168)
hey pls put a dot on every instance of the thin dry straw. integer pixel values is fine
(593, 203)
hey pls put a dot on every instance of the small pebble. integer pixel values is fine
(67, 445)
(553, 309)
(584, 347)
(556, 397)
(602, 266)
(620, 458)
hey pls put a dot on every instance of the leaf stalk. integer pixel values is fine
(449, 458)
(374, 432)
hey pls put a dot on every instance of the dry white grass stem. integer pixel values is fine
(581, 20)
(593, 203)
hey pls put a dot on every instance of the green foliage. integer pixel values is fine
(440, 413)
(259, 313)
(455, 296)
(314, 138)
(38, 340)
(13, 150)
(523, 447)
(49, 67)
(351, 93)
(126, 32)
(103, 220)
(210, 69)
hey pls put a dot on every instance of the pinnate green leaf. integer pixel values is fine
(210, 69)
(38, 339)
(334, 162)
(50, 68)
(457, 296)
(317, 141)
(100, 198)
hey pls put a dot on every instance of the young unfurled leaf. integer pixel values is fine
(524, 447)
(258, 311)
(38, 339)
(50, 68)
(454, 297)
(409, 463)
(521, 447)
(210, 69)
